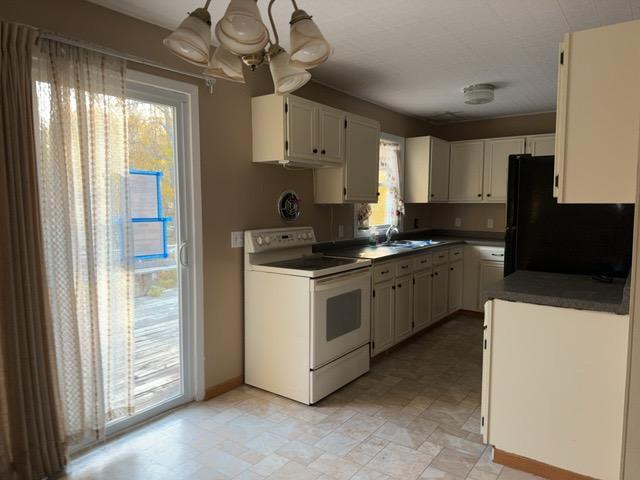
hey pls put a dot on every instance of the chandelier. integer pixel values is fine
(244, 38)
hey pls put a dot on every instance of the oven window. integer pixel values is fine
(343, 314)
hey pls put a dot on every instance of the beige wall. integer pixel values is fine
(498, 127)
(473, 217)
(236, 194)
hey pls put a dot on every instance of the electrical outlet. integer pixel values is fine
(237, 239)
(458, 222)
(489, 222)
(340, 231)
(416, 222)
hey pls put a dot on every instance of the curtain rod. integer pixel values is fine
(209, 81)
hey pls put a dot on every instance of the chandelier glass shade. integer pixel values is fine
(241, 30)
(308, 46)
(286, 77)
(192, 39)
(244, 39)
(225, 65)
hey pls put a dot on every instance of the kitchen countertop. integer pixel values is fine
(578, 292)
(359, 248)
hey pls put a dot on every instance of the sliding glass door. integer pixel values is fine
(160, 220)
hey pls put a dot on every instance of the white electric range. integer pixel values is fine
(307, 316)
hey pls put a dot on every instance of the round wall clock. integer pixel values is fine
(289, 205)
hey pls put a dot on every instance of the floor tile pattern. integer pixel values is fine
(414, 416)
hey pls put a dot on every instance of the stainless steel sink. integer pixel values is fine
(410, 243)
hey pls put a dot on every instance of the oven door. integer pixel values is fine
(340, 315)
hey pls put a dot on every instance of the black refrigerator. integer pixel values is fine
(545, 236)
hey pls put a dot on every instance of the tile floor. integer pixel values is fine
(415, 415)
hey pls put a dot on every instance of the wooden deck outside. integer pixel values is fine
(157, 349)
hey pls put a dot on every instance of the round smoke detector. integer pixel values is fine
(479, 94)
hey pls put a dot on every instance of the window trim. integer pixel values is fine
(381, 229)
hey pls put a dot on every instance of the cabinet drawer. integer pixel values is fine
(383, 272)
(421, 262)
(455, 254)
(495, 254)
(404, 266)
(440, 257)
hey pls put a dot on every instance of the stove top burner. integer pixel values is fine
(311, 263)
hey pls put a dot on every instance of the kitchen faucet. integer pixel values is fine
(390, 231)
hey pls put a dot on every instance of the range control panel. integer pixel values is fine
(273, 239)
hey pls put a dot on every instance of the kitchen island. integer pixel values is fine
(554, 374)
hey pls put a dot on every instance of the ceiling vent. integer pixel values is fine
(479, 94)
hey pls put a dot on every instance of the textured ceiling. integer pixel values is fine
(416, 56)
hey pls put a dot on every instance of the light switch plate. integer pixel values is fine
(237, 239)
(489, 222)
(458, 222)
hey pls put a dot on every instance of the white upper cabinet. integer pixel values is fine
(290, 130)
(496, 163)
(426, 170)
(598, 115)
(541, 145)
(302, 130)
(363, 154)
(332, 132)
(465, 171)
(357, 180)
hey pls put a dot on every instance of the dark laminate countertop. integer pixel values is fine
(361, 249)
(579, 292)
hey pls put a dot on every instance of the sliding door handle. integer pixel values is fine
(182, 255)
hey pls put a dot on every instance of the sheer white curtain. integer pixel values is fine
(83, 166)
(390, 206)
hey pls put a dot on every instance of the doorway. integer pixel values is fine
(162, 129)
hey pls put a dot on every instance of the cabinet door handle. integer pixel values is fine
(399, 285)
(479, 194)
(404, 266)
(384, 272)
(436, 274)
(315, 150)
(497, 254)
(323, 152)
(393, 287)
(488, 194)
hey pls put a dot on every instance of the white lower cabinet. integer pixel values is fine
(412, 293)
(383, 316)
(439, 295)
(455, 287)
(572, 392)
(491, 272)
(422, 282)
(483, 266)
(404, 307)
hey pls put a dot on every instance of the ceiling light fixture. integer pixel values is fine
(479, 94)
(244, 38)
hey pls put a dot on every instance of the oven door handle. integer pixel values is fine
(336, 280)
